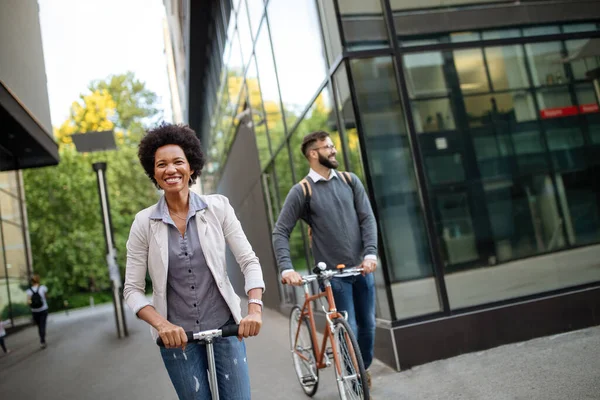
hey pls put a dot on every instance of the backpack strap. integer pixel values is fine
(346, 177)
(307, 191)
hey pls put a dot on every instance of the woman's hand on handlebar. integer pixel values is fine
(292, 278)
(250, 325)
(172, 335)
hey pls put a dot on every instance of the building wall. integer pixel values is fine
(22, 69)
(22, 66)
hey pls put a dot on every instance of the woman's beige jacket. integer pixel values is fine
(147, 250)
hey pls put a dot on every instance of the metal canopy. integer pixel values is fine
(23, 136)
(94, 141)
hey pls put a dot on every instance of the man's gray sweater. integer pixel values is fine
(343, 225)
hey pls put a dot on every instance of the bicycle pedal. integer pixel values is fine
(308, 380)
(329, 352)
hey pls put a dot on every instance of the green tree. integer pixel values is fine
(65, 225)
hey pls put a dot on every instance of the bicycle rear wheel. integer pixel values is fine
(303, 353)
(350, 373)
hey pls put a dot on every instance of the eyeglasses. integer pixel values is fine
(327, 146)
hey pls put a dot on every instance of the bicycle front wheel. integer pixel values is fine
(349, 366)
(303, 352)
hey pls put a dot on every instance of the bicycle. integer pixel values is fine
(207, 337)
(308, 358)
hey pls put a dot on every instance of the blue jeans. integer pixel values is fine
(356, 296)
(189, 370)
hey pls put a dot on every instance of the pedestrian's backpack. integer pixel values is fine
(36, 298)
(307, 191)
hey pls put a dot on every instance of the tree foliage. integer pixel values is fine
(63, 205)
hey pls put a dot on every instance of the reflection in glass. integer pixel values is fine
(333, 44)
(501, 34)
(348, 128)
(545, 63)
(319, 117)
(10, 208)
(456, 227)
(541, 30)
(433, 115)
(394, 184)
(425, 74)
(555, 97)
(269, 88)
(16, 261)
(259, 122)
(510, 107)
(507, 67)
(581, 65)
(299, 53)
(243, 25)
(256, 9)
(471, 71)
(363, 24)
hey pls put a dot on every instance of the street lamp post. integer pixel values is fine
(102, 141)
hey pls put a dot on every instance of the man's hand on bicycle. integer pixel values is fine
(368, 266)
(292, 278)
(172, 335)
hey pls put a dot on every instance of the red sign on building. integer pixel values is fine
(568, 111)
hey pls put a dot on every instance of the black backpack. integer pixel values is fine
(36, 299)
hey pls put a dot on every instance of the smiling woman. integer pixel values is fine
(195, 293)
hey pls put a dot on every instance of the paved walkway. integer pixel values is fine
(85, 360)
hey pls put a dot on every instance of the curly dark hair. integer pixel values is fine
(165, 134)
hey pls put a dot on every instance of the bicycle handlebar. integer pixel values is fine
(328, 273)
(226, 331)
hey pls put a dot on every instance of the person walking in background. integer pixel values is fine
(36, 297)
(343, 231)
(181, 242)
(2, 335)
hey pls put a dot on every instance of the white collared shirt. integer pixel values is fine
(316, 177)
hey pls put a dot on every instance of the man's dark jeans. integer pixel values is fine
(356, 296)
(40, 318)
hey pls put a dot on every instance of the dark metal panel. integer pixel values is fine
(23, 136)
(448, 337)
(438, 21)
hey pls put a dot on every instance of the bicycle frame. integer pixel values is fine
(328, 333)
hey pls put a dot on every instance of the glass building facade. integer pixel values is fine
(15, 267)
(479, 147)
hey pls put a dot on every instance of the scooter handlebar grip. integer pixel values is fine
(189, 334)
(230, 330)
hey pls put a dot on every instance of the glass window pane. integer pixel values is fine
(363, 24)
(256, 9)
(299, 53)
(8, 180)
(586, 98)
(471, 71)
(269, 88)
(319, 117)
(10, 208)
(509, 107)
(243, 25)
(235, 69)
(458, 37)
(550, 99)
(395, 188)
(507, 67)
(259, 121)
(333, 44)
(545, 60)
(541, 30)
(348, 128)
(571, 28)
(501, 34)
(581, 64)
(425, 74)
(565, 141)
(16, 263)
(433, 115)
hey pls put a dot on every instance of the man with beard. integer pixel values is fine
(344, 231)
